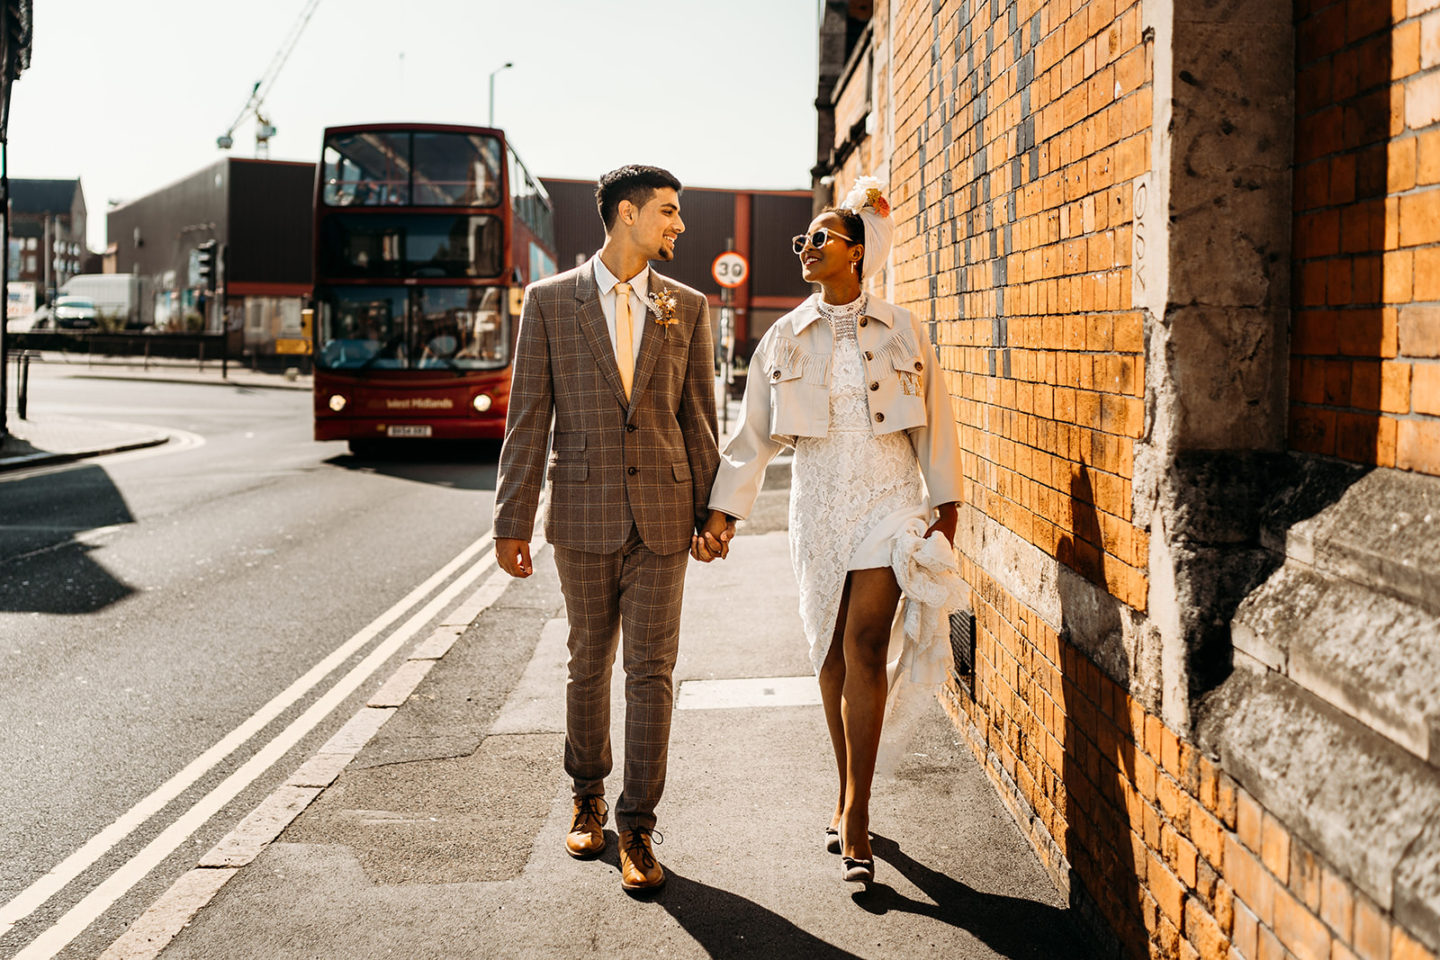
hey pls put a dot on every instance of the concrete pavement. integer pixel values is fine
(443, 837)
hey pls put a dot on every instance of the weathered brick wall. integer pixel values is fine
(1017, 140)
(1021, 130)
(1365, 357)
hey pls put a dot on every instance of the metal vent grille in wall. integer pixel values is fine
(962, 644)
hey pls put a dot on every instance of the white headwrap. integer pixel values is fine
(866, 199)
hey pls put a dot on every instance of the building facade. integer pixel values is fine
(47, 215)
(1182, 266)
(758, 224)
(259, 215)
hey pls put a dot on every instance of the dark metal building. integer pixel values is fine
(756, 223)
(259, 214)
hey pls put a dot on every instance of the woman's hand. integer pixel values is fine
(949, 516)
(714, 538)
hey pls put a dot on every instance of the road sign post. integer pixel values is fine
(729, 270)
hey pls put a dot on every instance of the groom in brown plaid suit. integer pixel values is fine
(622, 359)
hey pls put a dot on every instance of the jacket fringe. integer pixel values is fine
(787, 355)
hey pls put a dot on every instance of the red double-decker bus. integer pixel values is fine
(425, 236)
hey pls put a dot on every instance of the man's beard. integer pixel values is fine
(664, 252)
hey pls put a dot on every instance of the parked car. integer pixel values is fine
(76, 313)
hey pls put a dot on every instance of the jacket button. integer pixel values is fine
(864, 320)
(874, 384)
(879, 418)
(775, 375)
(632, 471)
(629, 428)
(869, 355)
(919, 365)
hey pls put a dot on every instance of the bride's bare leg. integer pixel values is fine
(872, 598)
(832, 685)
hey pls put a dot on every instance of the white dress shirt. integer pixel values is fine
(639, 298)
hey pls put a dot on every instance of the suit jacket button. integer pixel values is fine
(629, 428)
(775, 375)
(879, 418)
(874, 384)
(632, 471)
(869, 355)
(864, 320)
(919, 365)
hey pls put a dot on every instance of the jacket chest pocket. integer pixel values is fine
(897, 398)
(798, 406)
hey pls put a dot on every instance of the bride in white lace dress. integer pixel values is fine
(853, 384)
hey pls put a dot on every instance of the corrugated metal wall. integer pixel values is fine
(270, 221)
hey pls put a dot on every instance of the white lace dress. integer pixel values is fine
(851, 491)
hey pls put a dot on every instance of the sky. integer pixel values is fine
(130, 97)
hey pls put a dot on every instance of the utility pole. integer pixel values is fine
(16, 31)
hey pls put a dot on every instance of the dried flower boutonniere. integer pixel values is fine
(664, 304)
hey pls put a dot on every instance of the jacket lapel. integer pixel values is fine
(591, 318)
(653, 340)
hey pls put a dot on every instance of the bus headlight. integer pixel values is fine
(337, 402)
(482, 402)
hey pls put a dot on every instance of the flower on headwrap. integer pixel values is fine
(866, 193)
(866, 200)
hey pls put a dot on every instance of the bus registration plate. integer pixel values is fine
(407, 430)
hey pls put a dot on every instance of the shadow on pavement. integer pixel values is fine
(727, 925)
(44, 568)
(431, 462)
(1011, 926)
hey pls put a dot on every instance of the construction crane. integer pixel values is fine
(264, 129)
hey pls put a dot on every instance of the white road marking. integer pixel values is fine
(32, 897)
(95, 903)
(153, 930)
(180, 442)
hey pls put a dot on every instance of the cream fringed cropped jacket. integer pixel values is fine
(787, 396)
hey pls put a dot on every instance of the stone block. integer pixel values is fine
(1353, 796)
(1417, 886)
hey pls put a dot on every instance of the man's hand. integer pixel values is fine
(949, 516)
(514, 556)
(714, 538)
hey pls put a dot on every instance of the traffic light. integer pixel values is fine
(207, 251)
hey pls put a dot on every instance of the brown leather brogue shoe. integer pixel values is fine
(586, 838)
(639, 870)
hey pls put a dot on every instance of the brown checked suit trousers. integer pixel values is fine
(628, 484)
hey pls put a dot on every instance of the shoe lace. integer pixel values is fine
(639, 850)
(591, 807)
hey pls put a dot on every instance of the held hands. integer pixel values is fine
(514, 556)
(714, 538)
(946, 523)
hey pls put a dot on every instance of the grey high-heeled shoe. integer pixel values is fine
(856, 870)
(832, 840)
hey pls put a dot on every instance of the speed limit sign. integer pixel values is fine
(730, 269)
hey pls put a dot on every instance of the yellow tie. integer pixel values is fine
(624, 337)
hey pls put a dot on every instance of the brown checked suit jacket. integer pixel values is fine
(657, 453)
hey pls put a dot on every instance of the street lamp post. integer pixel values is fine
(507, 66)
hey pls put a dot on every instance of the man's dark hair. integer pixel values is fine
(634, 182)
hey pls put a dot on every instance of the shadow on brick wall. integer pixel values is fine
(1351, 275)
(1098, 758)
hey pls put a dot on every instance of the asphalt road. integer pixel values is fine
(150, 603)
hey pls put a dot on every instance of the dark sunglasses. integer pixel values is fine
(817, 239)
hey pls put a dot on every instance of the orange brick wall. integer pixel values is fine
(1365, 349)
(1020, 217)
(1020, 128)
(1179, 860)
